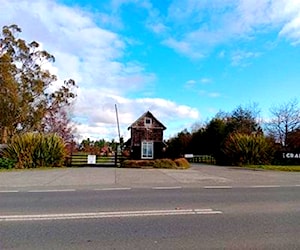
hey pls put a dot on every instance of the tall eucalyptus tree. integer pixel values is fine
(26, 102)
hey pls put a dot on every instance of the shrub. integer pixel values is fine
(6, 163)
(32, 150)
(158, 163)
(137, 163)
(242, 149)
(182, 163)
(164, 163)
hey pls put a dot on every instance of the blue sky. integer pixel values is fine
(184, 60)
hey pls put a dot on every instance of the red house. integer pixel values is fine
(146, 140)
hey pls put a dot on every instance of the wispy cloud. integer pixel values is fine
(205, 80)
(198, 27)
(243, 58)
(210, 94)
(190, 84)
(183, 47)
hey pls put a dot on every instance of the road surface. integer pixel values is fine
(211, 217)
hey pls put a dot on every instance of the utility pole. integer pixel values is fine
(118, 125)
(118, 146)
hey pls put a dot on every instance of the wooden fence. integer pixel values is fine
(84, 159)
(208, 159)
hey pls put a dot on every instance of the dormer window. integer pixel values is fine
(148, 122)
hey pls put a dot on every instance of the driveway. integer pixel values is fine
(95, 177)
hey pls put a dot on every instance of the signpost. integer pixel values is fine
(91, 159)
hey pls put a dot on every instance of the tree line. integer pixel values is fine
(240, 137)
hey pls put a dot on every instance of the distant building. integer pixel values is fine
(146, 140)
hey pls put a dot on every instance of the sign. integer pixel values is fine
(188, 156)
(91, 159)
(291, 155)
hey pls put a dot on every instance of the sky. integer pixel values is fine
(182, 60)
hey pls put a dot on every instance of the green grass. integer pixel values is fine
(31, 169)
(275, 167)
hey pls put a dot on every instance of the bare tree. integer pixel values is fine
(286, 119)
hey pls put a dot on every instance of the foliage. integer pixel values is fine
(32, 150)
(137, 163)
(164, 163)
(286, 120)
(58, 120)
(214, 137)
(97, 147)
(293, 140)
(243, 149)
(178, 146)
(158, 163)
(6, 163)
(244, 120)
(210, 139)
(182, 163)
(27, 104)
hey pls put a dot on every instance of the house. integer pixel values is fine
(146, 140)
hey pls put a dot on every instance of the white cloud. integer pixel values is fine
(209, 94)
(242, 58)
(158, 28)
(183, 47)
(292, 31)
(104, 116)
(205, 80)
(190, 84)
(214, 94)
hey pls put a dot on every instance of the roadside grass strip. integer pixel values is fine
(101, 215)
(275, 168)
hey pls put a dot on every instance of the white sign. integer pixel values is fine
(91, 159)
(188, 156)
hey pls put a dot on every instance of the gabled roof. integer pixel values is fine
(150, 115)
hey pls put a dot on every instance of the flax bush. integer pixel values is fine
(243, 149)
(32, 150)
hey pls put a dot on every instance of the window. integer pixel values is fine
(147, 150)
(148, 122)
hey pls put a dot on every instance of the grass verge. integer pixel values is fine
(30, 169)
(275, 167)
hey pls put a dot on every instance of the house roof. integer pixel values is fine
(150, 115)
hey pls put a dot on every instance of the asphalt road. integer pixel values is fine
(256, 217)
